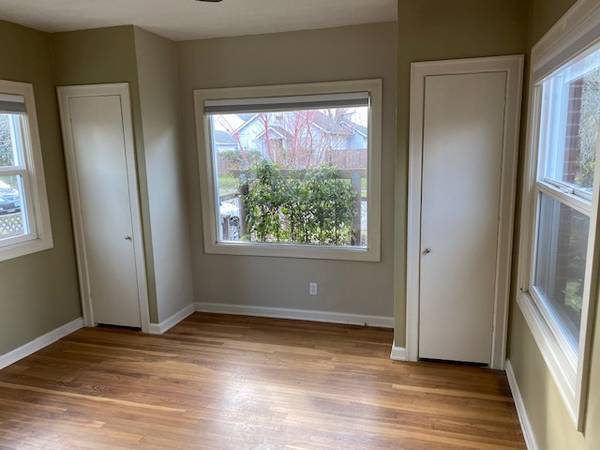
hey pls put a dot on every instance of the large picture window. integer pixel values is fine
(24, 221)
(293, 174)
(559, 251)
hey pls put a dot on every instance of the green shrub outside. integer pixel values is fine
(314, 206)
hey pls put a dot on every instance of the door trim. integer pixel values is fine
(122, 90)
(513, 66)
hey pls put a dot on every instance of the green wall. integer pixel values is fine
(341, 53)
(158, 78)
(543, 14)
(108, 55)
(434, 30)
(39, 292)
(547, 413)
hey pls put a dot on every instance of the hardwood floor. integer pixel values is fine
(218, 381)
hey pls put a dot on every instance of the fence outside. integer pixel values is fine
(11, 224)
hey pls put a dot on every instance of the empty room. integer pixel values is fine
(300, 224)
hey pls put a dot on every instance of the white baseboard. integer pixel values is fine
(280, 313)
(398, 353)
(167, 324)
(40, 342)
(521, 411)
(296, 314)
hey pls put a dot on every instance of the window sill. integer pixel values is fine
(562, 370)
(23, 248)
(294, 251)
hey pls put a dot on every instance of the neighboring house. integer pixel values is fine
(360, 135)
(286, 131)
(224, 141)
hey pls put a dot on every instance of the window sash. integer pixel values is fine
(546, 146)
(573, 197)
(567, 188)
(359, 99)
(21, 170)
(7, 242)
(566, 344)
(8, 171)
(29, 230)
(582, 207)
(539, 299)
(564, 196)
(554, 93)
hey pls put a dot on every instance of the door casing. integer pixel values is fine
(513, 66)
(112, 89)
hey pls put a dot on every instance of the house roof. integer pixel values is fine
(280, 131)
(223, 138)
(329, 124)
(246, 116)
(356, 127)
(247, 119)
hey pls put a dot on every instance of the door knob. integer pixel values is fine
(427, 251)
(128, 238)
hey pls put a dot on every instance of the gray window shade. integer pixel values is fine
(12, 104)
(270, 104)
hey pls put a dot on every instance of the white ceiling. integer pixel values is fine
(189, 19)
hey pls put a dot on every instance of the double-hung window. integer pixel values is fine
(292, 170)
(568, 146)
(24, 220)
(559, 251)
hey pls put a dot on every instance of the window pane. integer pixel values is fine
(10, 139)
(560, 263)
(292, 177)
(572, 121)
(12, 211)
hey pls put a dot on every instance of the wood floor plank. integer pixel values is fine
(231, 382)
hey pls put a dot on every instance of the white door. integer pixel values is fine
(99, 145)
(464, 123)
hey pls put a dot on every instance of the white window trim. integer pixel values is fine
(575, 32)
(39, 237)
(211, 244)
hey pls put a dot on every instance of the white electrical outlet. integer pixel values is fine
(313, 288)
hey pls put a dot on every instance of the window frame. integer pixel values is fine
(576, 33)
(207, 186)
(20, 170)
(39, 233)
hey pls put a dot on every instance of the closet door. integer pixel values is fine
(464, 141)
(99, 146)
